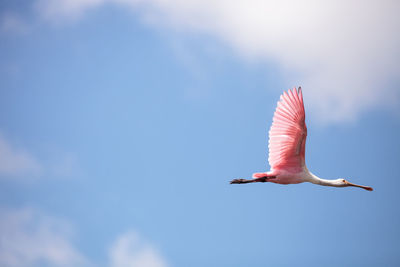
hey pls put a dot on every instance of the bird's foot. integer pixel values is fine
(245, 181)
(239, 181)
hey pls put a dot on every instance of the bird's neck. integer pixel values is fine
(316, 180)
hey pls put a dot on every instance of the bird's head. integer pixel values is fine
(343, 183)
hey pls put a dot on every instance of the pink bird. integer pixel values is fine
(287, 143)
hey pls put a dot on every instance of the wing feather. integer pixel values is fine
(288, 133)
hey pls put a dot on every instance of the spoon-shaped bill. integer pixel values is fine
(360, 186)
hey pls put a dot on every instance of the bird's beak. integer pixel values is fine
(360, 186)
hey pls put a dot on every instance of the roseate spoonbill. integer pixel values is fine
(287, 143)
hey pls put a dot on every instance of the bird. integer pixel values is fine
(287, 143)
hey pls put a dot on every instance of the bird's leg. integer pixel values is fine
(245, 181)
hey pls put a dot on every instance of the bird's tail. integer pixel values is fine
(259, 175)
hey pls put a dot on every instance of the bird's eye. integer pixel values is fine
(343, 180)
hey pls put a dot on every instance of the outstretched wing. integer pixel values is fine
(288, 133)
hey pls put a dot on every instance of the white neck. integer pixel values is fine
(309, 177)
(316, 180)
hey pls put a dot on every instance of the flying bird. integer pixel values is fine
(287, 143)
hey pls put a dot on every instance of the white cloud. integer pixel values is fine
(17, 161)
(344, 53)
(130, 251)
(29, 238)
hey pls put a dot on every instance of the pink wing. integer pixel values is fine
(288, 133)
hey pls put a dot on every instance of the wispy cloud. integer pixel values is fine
(63, 165)
(17, 161)
(344, 53)
(55, 11)
(10, 22)
(131, 251)
(30, 238)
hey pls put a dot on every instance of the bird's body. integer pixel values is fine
(287, 142)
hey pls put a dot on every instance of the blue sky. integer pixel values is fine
(122, 123)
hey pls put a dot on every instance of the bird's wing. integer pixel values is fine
(288, 133)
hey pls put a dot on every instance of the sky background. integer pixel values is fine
(123, 121)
